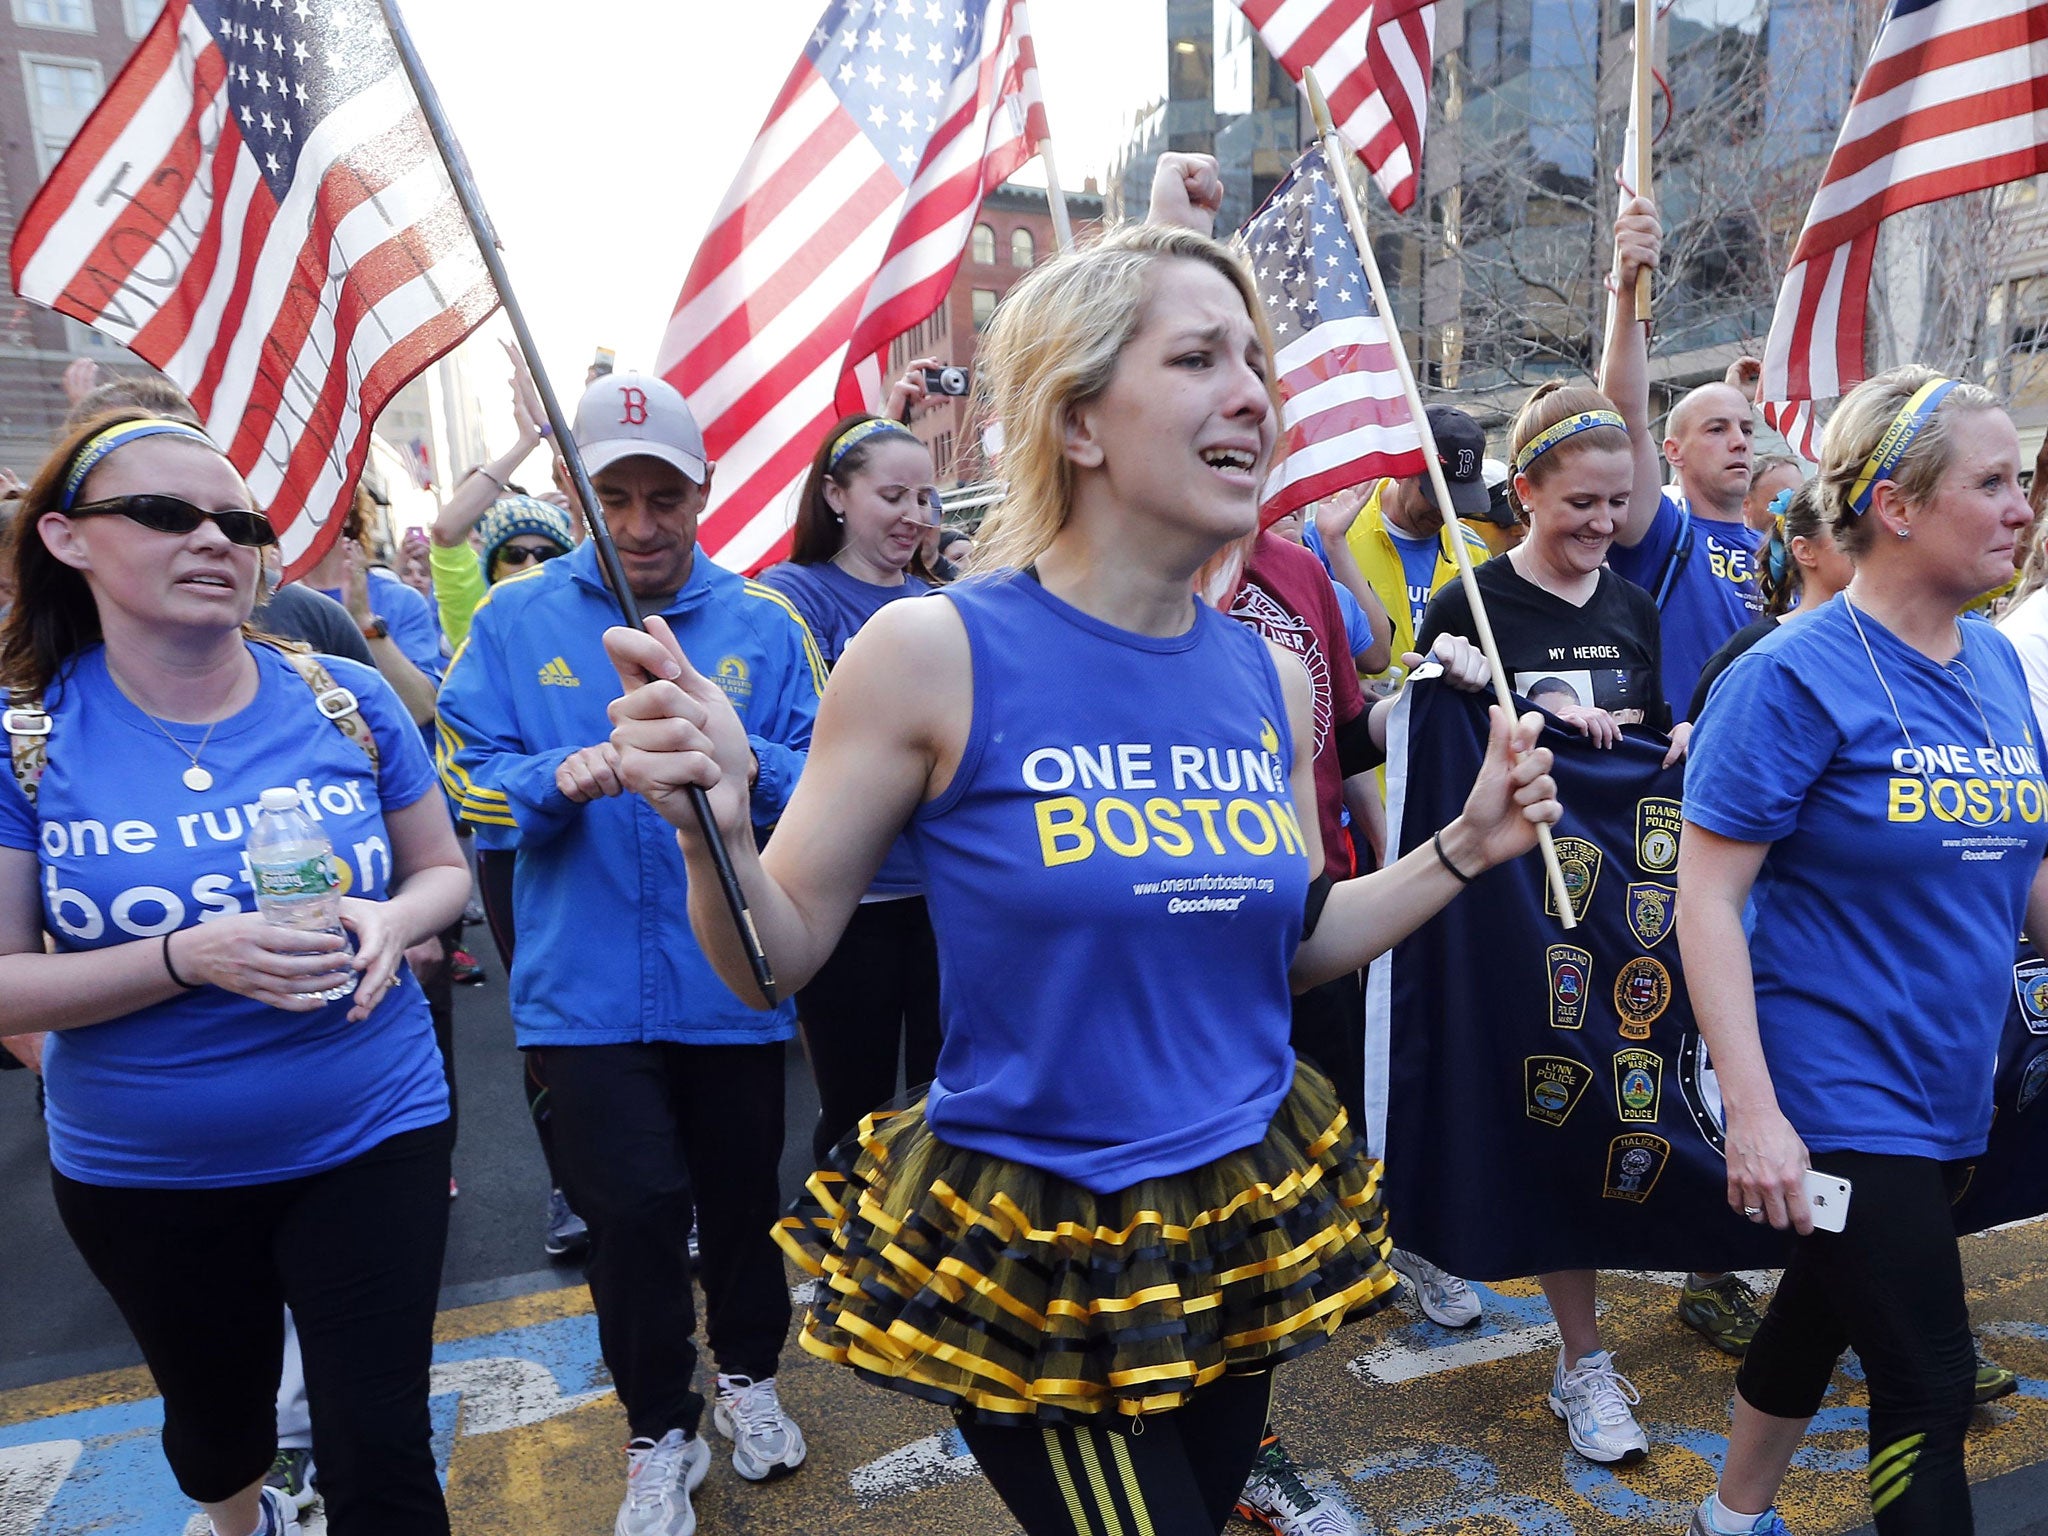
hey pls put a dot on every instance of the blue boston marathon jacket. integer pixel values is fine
(605, 953)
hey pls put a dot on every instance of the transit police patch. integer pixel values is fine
(2030, 989)
(1652, 908)
(1580, 861)
(1638, 1086)
(1553, 1086)
(1642, 991)
(1571, 979)
(1657, 822)
(1634, 1163)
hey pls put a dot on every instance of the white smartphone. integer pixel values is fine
(1828, 1197)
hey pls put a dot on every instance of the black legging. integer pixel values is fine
(1179, 1475)
(879, 985)
(1889, 1285)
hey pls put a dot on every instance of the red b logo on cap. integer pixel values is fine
(635, 403)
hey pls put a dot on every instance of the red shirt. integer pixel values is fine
(1287, 597)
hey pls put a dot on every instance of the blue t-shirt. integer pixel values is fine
(415, 628)
(1116, 878)
(1714, 594)
(1896, 883)
(1357, 631)
(210, 1089)
(1418, 569)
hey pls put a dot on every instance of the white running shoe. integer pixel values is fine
(280, 1515)
(1594, 1400)
(1277, 1495)
(765, 1440)
(660, 1477)
(1446, 1300)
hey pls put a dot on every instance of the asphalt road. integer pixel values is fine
(1418, 1429)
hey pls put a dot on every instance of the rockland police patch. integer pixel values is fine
(2030, 988)
(2033, 1078)
(1571, 980)
(1641, 994)
(1638, 1086)
(1657, 823)
(1554, 1086)
(1634, 1162)
(1652, 909)
(1580, 861)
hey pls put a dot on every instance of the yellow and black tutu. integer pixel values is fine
(1016, 1296)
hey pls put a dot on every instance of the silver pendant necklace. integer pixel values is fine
(1969, 691)
(195, 778)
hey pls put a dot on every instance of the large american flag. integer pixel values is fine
(257, 209)
(1344, 417)
(842, 231)
(1950, 102)
(1373, 59)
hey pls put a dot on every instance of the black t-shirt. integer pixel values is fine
(313, 618)
(1717, 663)
(1607, 654)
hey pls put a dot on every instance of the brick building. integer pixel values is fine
(1011, 235)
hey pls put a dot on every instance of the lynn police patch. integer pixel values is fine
(1657, 823)
(1571, 979)
(1554, 1086)
(1580, 861)
(1651, 911)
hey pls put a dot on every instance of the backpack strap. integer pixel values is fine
(28, 741)
(1681, 551)
(335, 702)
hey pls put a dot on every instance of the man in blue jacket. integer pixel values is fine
(664, 1088)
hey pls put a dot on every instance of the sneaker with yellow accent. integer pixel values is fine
(1725, 1312)
(1277, 1495)
(1993, 1380)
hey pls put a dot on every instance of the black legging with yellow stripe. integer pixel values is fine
(1172, 1474)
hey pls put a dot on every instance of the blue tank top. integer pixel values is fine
(1116, 877)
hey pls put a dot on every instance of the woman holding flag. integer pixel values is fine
(1869, 779)
(1122, 1201)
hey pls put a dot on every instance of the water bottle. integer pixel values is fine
(291, 864)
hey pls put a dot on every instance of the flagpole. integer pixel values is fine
(1645, 45)
(1337, 154)
(572, 458)
(1056, 200)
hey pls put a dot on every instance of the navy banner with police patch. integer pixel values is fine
(2010, 1181)
(1541, 1096)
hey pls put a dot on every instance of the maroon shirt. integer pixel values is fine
(1287, 597)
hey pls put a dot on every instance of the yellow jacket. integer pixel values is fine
(1380, 563)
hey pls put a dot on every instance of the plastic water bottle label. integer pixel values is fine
(308, 877)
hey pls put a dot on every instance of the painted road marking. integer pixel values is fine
(928, 1463)
(30, 1476)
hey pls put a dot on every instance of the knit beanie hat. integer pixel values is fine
(511, 516)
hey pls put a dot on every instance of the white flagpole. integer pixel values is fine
(1639, 109)
(1056, 200)
(1340, 172)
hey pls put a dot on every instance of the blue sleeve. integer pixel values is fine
(485, 766)
(19, 827)
(404, 771)
(414, 629)
(1643, 564)
(780, 733)
(1756, 753)
(1357, 632)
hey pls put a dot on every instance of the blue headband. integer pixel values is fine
(119, 436)
(1898, 437)
(860, 432)
(1571, 426)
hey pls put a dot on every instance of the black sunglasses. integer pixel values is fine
(519, 554)
(174, 514)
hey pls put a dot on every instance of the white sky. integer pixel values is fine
(604, 133)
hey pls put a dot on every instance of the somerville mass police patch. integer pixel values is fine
(1638, 1085)
(2030, 987)
(1641, 994)
(1657, 823)
(1580, 861)
(1634, 1162)
(1651, 911)
(1554, 1085)
(1571, 979)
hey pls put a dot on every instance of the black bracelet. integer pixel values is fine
(1444, 859)
(172, 971)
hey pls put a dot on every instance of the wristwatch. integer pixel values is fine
(376, 629)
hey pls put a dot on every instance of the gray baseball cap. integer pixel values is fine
(627, 414)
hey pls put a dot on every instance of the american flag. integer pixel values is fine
(1373, 59)
(1344, 417)
(257, 209)
(843, 230)
(1950, 103)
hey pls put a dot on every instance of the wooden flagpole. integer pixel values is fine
(1645, 48)
(1338, 155)
(1056, 200)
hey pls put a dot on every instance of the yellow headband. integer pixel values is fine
(1571, 426)
(1898, 437)
(100, 444)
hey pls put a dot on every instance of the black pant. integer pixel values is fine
(1889, 1285)
(1180, 1476)
(1328, 1032)
(438, 982)
(638, 1129)
(203, 1277)
(880, 985)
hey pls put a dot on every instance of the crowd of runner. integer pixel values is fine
(1090, 1167)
